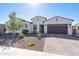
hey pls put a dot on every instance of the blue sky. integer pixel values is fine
(27, 11)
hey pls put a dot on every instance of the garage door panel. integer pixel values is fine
(51, 29)
(58, 29)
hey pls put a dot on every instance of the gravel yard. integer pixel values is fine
(39, 46)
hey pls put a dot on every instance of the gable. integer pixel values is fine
(77, 24)
(38, 20)
(59, 20)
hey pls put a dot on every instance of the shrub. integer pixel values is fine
(1, 34)
(25, 32)
(39, 35)
(20, 36)
(31, 44)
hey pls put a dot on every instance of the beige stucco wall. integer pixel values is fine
(38, 20)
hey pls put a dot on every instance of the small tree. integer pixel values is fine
(14, 23)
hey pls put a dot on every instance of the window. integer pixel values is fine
(56, 19)
(37, 18)
(69, 24)
(34, 27)
(78, 27)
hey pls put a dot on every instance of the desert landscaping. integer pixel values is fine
(53, 36)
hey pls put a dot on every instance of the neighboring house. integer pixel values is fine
(27, 26)
(54, 25)
(75, 29)
(2, 28)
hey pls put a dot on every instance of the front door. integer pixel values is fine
(41, 28)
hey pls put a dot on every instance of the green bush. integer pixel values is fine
(31, 44)
(20, 36)
(1, 34)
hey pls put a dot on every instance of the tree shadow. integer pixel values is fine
(6, 39)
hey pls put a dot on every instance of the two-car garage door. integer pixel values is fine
(57, 28)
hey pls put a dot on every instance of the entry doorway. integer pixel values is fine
(41, 28)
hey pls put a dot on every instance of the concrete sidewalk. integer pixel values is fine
(22, 52)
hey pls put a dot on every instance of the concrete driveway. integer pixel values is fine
(62, 44)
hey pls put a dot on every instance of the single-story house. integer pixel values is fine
(27, 26)
(75, 29)
(2, 28)
(54, 25)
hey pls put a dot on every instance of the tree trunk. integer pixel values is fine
(12, 39)
(13, 34)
